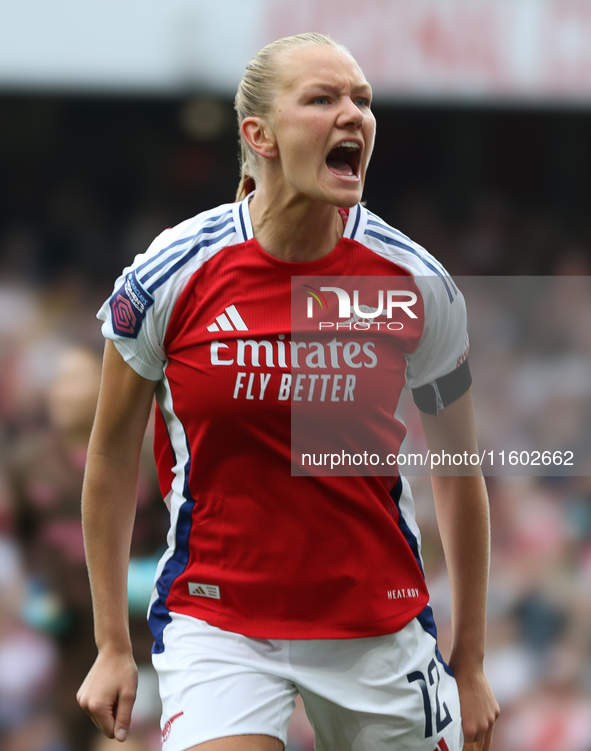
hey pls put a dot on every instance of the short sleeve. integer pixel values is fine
(437, 371)
(130, 319)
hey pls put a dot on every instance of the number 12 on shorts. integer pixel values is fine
(440, 723)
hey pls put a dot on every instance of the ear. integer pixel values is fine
(259, 136)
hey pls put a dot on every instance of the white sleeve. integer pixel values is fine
(443, 347)
(137, 315)
(131, 317)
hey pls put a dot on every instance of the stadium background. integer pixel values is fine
(116, 121)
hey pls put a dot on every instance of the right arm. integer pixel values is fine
(108, 511)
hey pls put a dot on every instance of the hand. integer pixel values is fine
(479, 707)
(108, 693)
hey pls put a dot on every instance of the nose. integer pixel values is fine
(350, 114)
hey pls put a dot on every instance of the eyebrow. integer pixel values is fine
(361, 87)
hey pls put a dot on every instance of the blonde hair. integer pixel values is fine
(254, 97)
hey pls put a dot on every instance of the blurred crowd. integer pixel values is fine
(84, 188)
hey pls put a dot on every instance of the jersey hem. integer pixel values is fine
(276, 629)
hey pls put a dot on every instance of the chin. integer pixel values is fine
(346, 199)
(343, 197)
(349, 201)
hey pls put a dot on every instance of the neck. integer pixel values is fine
(294, 228)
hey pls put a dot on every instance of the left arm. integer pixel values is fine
(461, 504)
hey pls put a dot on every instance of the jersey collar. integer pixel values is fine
(356, 223)
(242, 219)
(354, 228)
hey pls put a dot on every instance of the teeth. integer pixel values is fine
(348, 145)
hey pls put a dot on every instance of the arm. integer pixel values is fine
(461, 504)
(108, 512)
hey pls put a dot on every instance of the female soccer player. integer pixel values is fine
(274, 584)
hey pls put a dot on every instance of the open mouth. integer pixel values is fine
(344, 159)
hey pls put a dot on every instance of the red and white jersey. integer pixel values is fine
(251, 548)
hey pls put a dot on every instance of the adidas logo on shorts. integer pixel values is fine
(168, 726)
(204, 590)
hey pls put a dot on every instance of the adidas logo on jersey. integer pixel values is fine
(230, 322)
(204, 590)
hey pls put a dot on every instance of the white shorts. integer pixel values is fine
(383, 693)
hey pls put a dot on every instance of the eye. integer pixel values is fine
(362, 101)
(320, 99)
